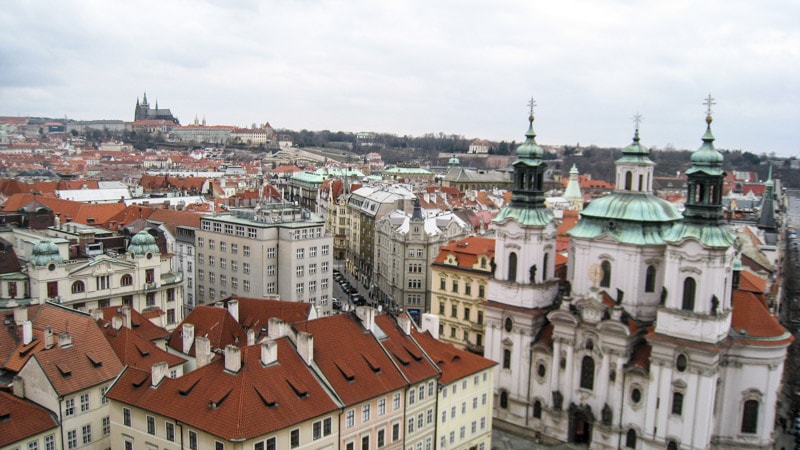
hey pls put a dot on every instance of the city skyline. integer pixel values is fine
(415, 67)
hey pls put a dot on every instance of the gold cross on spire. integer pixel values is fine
(709, 102)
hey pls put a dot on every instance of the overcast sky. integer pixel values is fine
(458, 67)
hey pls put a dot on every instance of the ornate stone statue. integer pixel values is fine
(532, 273)
(606, 415)
(714, 305)
(558, 400)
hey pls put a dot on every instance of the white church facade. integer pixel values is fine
(649, 344)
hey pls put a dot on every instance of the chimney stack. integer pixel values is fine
(97, 314)
(27, 332)
(126, 315)
(48, 338)
(18, 386)
(269, 351)
(157, 372)
(305, 346)
(64, 340)
(251, 337)
(116, 322)
(233, 309)
(276, 328)
(188, 337)
(20, 315)
(202, 351)
(367, 316)
(405, 324)
(233, 358)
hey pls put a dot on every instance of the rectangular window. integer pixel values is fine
(239, 230)
(271, 253)
(312, 286)
(69, 407)
(246, 285)
(412, 396)
(381, 438)
(223, 246)
(271, 270)
(455, 286)
(312, 252)
(234, 248)
(84, 402)
(429, 416)
(396, 401)
(325, 250)
(223, 280)
(300, 288)
(219, 445)
(454, 311)
(211, 244)
(324, 267)
(106, 426)
(50, 442)
(223, 263)
(234, 282)
(86, 434)
(251, 232)
(294, 438)
(246, 268)
(410, 425)
(395, 432)
(327, 427)
(169, 429)
(300, 253)
(192, 440)
(72, 439)
(350, 419)
(299, 270)
(151, 425)
(365, 413)
(126, 417)
(324, 284)
(246, 250)
(211, 260)
(467, 289)
(271, 287)
(200, 240)
(316, 430)
(312, 269)
(381, 406)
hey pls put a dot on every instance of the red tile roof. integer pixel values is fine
(753, 324)
(67, 210)
(212, 322)
(467, 251)
(254, 313)
(751, 282)
(21, 419)
(252, 402)
(408, 356)
(139, 323)
(454, 363)
(136, 351)
(360, 369)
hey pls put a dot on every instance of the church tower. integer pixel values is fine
(523, 286)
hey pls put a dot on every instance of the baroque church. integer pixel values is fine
(649, 344)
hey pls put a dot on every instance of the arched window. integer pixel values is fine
(537, 409)
(628, 180)
(650, 279)
(78, 287)
(126, 280)
(587, 373)
(750, 416)
(512, 266)
(641, 183)
(672, 445)
(506, 358)
(545, 263)
(606, 280)
(689, 287)
(504, 399)
(630, 439)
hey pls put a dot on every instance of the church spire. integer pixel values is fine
(706, 177)
(528, 191)
(766, 220)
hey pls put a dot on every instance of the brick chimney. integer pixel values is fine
(233, 358)
(188, 337)
(269, 351)
(27, 332)
(276, 328)
(233, 309)
(202, 351)
(157, 372)
(305, 346)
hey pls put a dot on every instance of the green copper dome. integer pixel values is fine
(706, 158)
(636, 152)
(142, 243)
(634, 207)
(530, 149)
(45, 252)
(453, 161)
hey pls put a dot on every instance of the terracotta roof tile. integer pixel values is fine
(409, 357)
(21, 419)
(252, 402)
(753, 324)
(212, 322)
(453, 362)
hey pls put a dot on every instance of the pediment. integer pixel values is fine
(102, 266)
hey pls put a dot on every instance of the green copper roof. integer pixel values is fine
(535, 217)
(634, 207)
(624, 232)
(636, 153)
(143, 242)
(716, 236)
(706, 159)
(573, 189)
(44, 252)
(530, 149)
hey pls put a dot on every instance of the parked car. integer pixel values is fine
(358, 299)
(336, 303)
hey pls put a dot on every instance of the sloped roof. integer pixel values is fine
(752, 323)
(453, 362)
(212, 322)
(351, 358)
(254, 313)
(750, 282)
(139, 323)
(136, 351)
(67, 210)
(408, 356)
(466, 251)
(21, 419)
(252, 402)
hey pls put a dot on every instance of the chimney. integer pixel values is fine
(202, 351)
(18, 386)
(116, 322)
(48, 338)
(126, 316)
(276, 328)
(219, 304)
(367, 316)
(64, 340)
(269, 351)
(405, 324)
(97, 314)
(157, 372)
(20, 315)
(305, 346)
(188, 337)
(233, 309)
(251, 337)
(233, 358)
(27, 332)
(430, 323)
